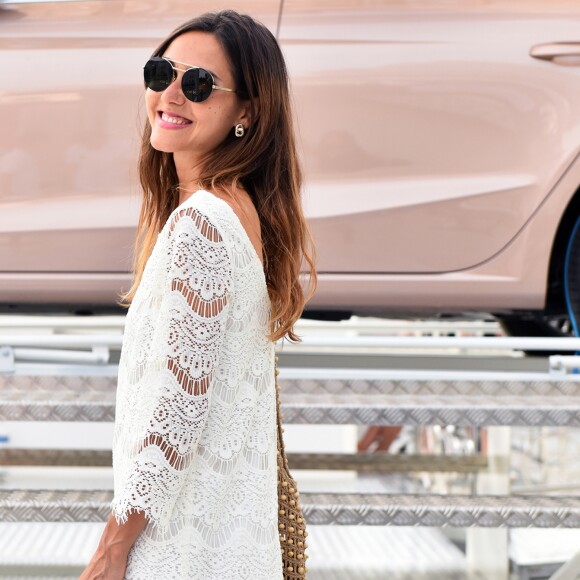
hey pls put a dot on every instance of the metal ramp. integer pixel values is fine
(56, 505)
(353, 397)
(476, 398)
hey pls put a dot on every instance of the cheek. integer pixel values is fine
(151, 102)
(210, 119)
(220, 117)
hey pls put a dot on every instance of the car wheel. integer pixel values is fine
(571, 281)
(565, 324)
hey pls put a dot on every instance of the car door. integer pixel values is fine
(428, 132)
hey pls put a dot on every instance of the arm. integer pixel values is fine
(110, 558)
(188, 338)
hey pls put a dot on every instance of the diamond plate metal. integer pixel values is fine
(416, 410)
(330, 509)
(328, 409)
(56, 406)
(455, 384)
(441, 511)
(49, 505)
(402, 383)
(53, 383)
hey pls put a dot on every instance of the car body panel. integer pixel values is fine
(513, 280)
(429, 137)
(439, 155)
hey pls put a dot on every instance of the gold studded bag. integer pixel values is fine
(291, 524)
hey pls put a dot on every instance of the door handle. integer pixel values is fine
(562, 53)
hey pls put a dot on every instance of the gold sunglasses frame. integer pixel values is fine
(175, 68)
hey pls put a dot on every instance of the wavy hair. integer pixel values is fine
(265, 163)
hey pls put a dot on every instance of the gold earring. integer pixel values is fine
(239, 130)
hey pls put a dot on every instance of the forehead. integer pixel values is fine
(200, 49)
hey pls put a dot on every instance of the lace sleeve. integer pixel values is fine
(187, 342)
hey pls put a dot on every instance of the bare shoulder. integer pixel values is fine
(244, 208)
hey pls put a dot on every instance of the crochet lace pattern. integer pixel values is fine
(194, 444)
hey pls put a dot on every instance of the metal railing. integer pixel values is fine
(81, 387)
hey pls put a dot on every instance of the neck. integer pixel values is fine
(188, 172)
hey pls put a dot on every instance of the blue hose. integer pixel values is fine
(566, 279)
(573, 320)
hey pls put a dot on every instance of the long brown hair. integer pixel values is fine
(264, 163)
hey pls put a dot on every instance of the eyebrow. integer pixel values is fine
(216, 76)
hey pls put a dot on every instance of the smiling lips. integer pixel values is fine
(171, 120)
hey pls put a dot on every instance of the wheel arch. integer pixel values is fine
(555, 301)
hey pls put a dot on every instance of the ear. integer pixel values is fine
(249, 111)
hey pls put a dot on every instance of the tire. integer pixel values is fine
(532, 325)
(571, 282)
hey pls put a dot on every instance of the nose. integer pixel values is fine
(173, 93)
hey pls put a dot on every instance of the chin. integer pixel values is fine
(162, 145)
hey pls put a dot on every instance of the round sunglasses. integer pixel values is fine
(197, 83)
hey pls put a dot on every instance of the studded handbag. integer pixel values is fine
(291, 524)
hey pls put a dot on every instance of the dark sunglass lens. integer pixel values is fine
(197, 84)
(205, 83)
(158, 74)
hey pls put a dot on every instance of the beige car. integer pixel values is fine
(440, 140)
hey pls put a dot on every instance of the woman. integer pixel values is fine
(222, 238)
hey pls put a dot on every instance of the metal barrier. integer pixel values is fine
(356, 397)
(71, 392)
(329, 508)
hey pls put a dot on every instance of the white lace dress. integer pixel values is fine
(195, 428)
